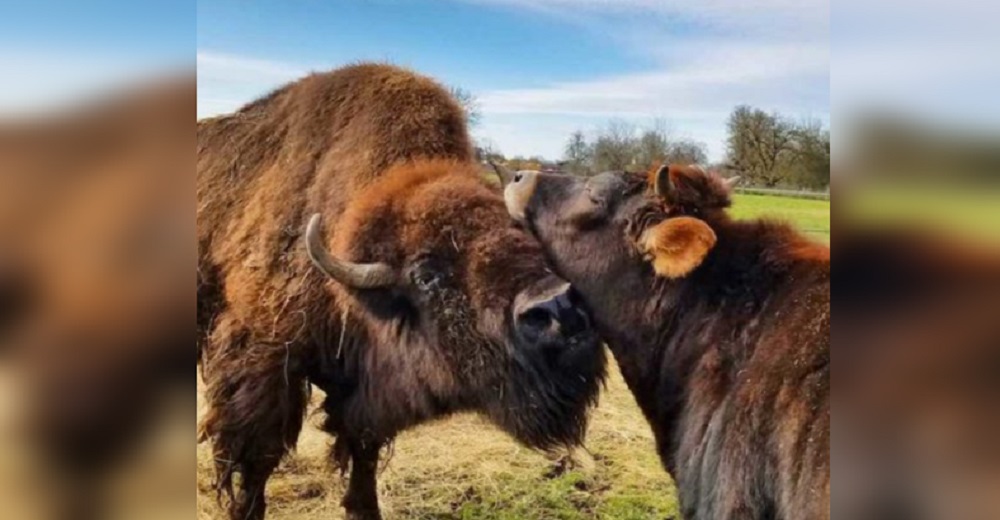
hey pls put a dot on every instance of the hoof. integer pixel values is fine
(370, 514)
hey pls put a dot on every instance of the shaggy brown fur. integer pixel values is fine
(384, 156)
(730, 363)
(917, 385)
(96, 250)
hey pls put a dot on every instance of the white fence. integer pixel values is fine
(798, 194)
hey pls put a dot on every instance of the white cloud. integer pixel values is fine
(695, 88)
(929, 60)
(770, 18)
(704, 58)
(228, 81)
(39, 81)
(713, 78)
(216, 66)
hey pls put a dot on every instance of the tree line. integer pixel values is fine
(623, 146)
(766, 149)
(619, 145)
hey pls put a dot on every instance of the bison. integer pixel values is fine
(721, 329)
(96, 249)
(408, 296)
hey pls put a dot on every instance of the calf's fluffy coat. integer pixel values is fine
(721, 329)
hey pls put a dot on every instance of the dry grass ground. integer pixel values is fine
(462, 468)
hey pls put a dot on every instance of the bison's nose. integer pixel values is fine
(552, 318)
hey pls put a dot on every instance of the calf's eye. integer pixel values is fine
(595, 199)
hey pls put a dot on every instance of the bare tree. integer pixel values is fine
(487, 150)
(578, 154)
(687, 151)
(469, 104)
(652, 148)
(615, 147)
(758, 143)
(811, 149)
(620, 146)
(766, 148)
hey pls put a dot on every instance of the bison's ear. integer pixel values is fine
(677, 245)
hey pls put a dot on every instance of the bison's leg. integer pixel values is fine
(248, 501)
(256, 398)
(361, 500)
(251, 435)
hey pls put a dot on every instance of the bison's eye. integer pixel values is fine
(426, 281)
(424, 276)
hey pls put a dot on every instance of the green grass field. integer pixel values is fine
(464, 469)
(970, 213)
(812, 217)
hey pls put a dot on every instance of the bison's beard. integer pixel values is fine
(544, 404)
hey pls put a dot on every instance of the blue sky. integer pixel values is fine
(540, 69)
(55, 52)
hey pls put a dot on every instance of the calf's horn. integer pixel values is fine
(663, 184)
(358, 276)
(502, 172)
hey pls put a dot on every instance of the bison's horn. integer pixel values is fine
(358, 276)
(664, 185)
(730, 182)
(503, 173)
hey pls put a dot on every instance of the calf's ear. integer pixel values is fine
(677, 246)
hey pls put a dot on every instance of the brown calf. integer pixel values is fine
(721, 329)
